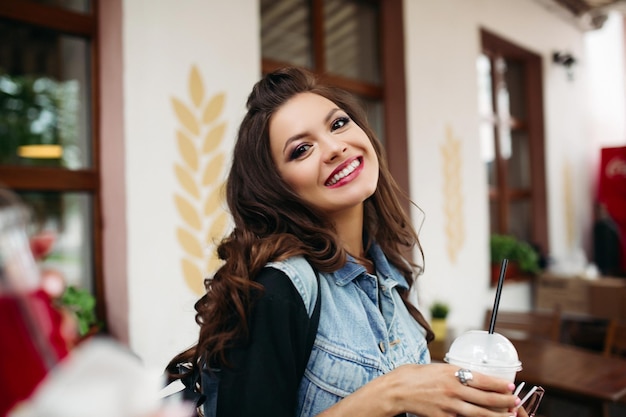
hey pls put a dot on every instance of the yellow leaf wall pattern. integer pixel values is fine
(198, 172)
(452, 194)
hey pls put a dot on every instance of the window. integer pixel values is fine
(356, 45)
(48, 143)
(511, 132)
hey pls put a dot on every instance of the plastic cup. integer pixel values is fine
(487, 353)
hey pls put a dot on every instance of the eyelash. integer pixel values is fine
(299, 150)
(338, 123)
(343, 119)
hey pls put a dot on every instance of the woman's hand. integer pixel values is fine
(433, 390)
(429, 391)
(521, 412)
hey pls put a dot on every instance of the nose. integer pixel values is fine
(332, 148)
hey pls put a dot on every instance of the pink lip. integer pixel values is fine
(347, 178)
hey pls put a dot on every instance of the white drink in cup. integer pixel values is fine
(484, 352)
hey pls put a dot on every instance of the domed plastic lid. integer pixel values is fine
(479, 348)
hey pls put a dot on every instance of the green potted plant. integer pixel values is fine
(523, 259)
(83, 305)
(439, 314)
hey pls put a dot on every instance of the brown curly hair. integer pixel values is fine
(271, 222)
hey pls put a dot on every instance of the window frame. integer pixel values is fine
(24, 178)
(391, 91)
(493, 45)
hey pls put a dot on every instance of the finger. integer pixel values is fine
(468, 409)
(521, 412)
(487, 383)
(486, 391)
(489, 400)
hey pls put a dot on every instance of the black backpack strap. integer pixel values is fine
(191, 381)
(210, 387)
(315, 319)
(210, 379)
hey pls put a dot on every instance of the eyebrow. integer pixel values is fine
(301, 135)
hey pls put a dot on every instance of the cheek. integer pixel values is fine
(300, 178)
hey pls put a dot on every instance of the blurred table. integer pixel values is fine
(571, 370)
(568, 371)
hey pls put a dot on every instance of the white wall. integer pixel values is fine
(606, 88)
(442, 44)
(162, 41)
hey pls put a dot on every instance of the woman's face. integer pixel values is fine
(322, 154)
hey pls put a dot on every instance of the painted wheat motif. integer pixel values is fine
(199, 172)
(452, 196)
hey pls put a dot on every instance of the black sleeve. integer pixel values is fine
(267, 371)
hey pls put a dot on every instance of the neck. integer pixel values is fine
(349, 226)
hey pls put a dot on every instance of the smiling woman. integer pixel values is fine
(323, 155)
(317, 213)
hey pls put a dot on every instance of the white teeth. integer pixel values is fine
(344, 172)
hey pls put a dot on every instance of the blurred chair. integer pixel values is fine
(527, 324)
(615, 345)
(615, 341)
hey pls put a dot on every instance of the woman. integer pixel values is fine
(309, 186)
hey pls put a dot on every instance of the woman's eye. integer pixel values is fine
(339, 123)
(300, 150)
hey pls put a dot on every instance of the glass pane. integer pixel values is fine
(375, 116)
(68, 216)
(487, 144)
(518, 166)
(286, 32)
(515, 86)
(485, 112)
(520, 219)
(81, 6)
(351, 36)
(503, 109)
(485, 87)
(44, 98)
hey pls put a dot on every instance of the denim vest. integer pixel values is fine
(364, 330)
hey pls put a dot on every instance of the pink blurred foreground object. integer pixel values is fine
(22, 363)
(32, 343)
(101, 378)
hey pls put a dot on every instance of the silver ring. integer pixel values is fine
(464, 376)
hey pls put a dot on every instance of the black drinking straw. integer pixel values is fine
(496, 303)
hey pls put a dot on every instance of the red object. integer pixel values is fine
(513, 273)
(28, 349)
(612, 190)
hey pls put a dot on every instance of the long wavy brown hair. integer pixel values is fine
(271, 222)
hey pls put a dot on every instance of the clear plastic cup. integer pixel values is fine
(490, 354)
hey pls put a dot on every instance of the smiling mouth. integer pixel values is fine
(344, 172)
